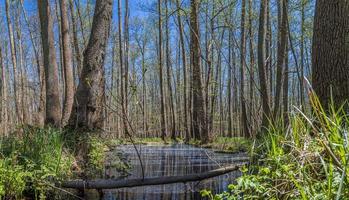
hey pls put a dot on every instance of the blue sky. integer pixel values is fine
(135, 6)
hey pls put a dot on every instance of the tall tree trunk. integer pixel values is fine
(252, 65)
(330, 60)
(67, 64)
(244, 121)
(184, 66)
(40, 71)
(262, 63)
(53, 106)
(230, 116)
(162, 114)
(122, 82)
(4, 109)
(126, 52)
(22, 94)
(78, 55)
(199, 120)
(280, 55)
(301, 85)
(169, 73)
(144, 91)
(90, 95)
(14, 62)
(285, 88)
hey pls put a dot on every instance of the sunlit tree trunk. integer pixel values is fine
(4, 109)
(184, 66)
(169, 73)
(280, 55)
(14, 62)
(244, 121)
(53, 105)
(162, 106)
(67, 64)
(199, 119)
(90, 95)
(330, 73)
(262, 64)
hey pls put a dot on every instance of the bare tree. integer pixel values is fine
(53, 105)
(280, 54)
(162, 123)
(67, 64)
(90, 95)
(244, 121)
(14, 62)
(199, 119)
(262, 63)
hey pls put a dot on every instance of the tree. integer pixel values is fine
(67, 64)
(199, 120)
(162, 115)
(330, 72)
(168, 70)
(90, 95)
(262, 63)
(14, 62)
(4, 109)
(184, 66)
(53, 105)
(280, 53)
(244, 122)
(122, 82)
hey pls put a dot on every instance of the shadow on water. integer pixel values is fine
(173, 160)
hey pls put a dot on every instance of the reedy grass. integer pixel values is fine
(31, 161)
(307, 159)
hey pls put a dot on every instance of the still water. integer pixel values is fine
(173, 160)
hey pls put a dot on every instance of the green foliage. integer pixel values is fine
(96, 154)
(306, 160)
(28, 162)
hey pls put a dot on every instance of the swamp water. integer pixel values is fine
(174, 160)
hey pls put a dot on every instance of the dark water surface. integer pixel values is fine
(173, 160)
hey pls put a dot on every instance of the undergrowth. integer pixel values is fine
(308, 159)
(31, 161)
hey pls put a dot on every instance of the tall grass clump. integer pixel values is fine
(307, 159)
(30, 161)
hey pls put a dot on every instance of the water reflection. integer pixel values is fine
(179, 159)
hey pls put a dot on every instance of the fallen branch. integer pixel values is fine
(112, 184)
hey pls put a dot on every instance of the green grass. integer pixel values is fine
(308, 159)
(30, 161)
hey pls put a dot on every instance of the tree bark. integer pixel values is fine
(4, 109)
(53, 105)
(330, 72)
(90, 95)
(112, 184)
(14, 61)
(280, 55)
(184, 66)
(169, 73)
(162, 114)
(262, 64)
(67, 64)
(244, 121)
(199, 119)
